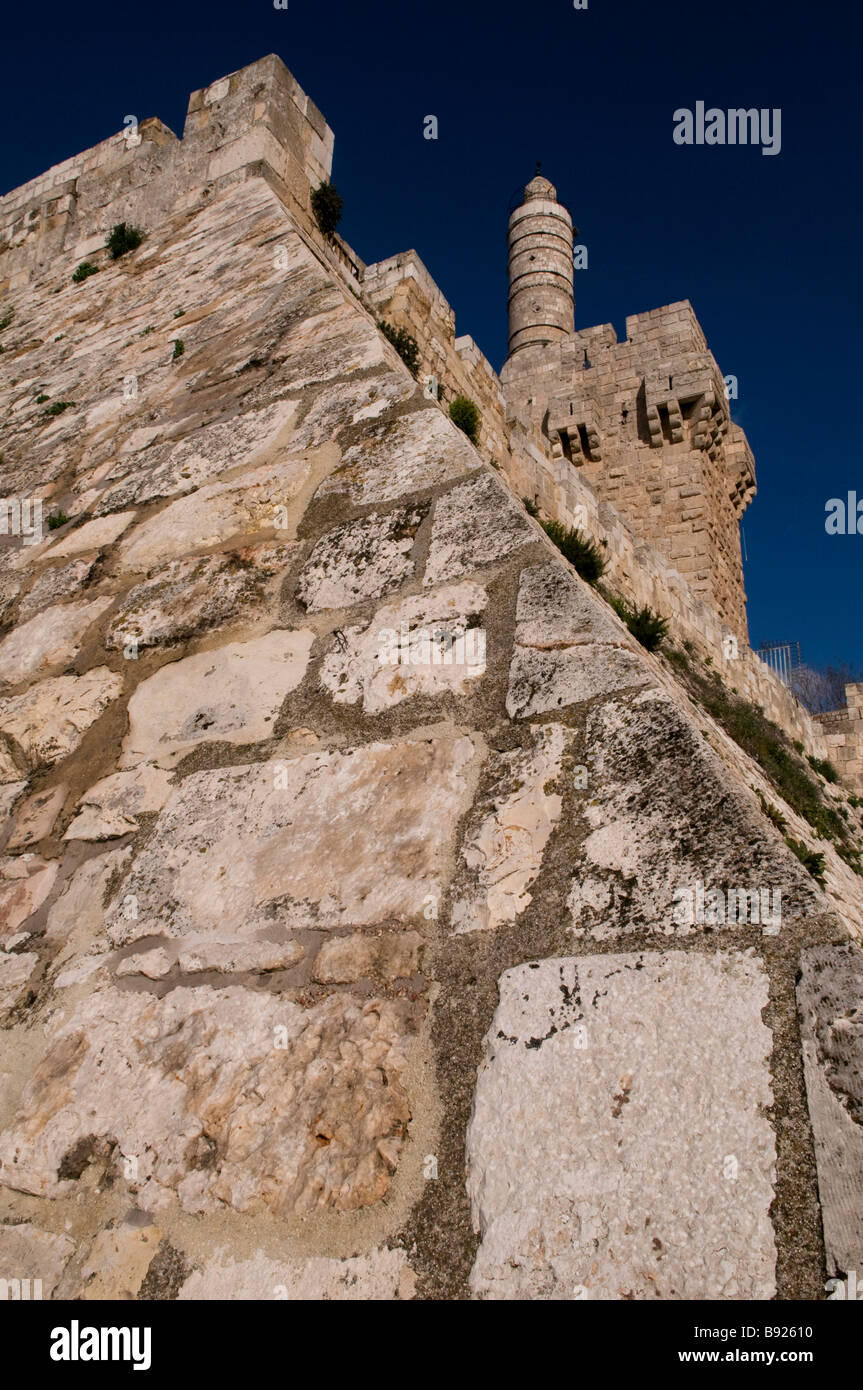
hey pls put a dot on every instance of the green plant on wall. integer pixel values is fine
(122, 239)
(464, 413)
(405, 345)
(577, 548)
(327, 204)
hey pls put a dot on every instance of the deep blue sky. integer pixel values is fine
(766, 248)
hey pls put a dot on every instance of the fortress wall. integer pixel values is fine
(402, 291)
(258, 117)
(303, 922)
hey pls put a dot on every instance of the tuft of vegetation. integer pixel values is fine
(647, 627)
(772, 813)
(405, 345)
(578, 549)
(83, 272)
(530, 507)
(57, 519)
(855, 801)
(464, 413)
(809, 858)
(178, 313)
(327, 204)
(179, 349)
(56, 408)
(41, 398)
(145, 331)
(6, 320)
(122, 239)
(824, 768)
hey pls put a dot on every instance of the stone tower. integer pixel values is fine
(541, 305)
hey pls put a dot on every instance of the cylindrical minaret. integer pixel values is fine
(541, 306)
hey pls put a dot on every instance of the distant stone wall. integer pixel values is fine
(843, 735)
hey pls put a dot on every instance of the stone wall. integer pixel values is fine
(843, 736)
(377, 918)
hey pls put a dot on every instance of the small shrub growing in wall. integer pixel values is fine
(826, 769)
(405, 345)
(5, 321)
(772, 813)
(179, 349)
(647, 627)
(56, 408)
(122, 239)
(327, 204)
(578, 549)
(84, 271)
(530, 507)
(463, 412)
(57, 519)
(809, 858)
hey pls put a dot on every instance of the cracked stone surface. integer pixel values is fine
(663, 817)
(111, 807)
(830, 1003)
(416, 646)
(230, 694)
(240, 848)
(191, 596)
(474, 525)
(503, 850)
(416, 451)
(360, 560)
(48, 721)
(263, 1125)
(181, 466)
(618, 1146)
(56, 582)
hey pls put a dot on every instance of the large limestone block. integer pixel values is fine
(830, 1002)
(336, 408)
(360, 560)
(49, 720)
(56, 582)
(188, 597)
(232, 694)
(504, 845)
(567, 648)
(618, 1146)
(474, 524)
(102, 531)
(382, 1274)
(215, 513)
(667, 826)
(417, 646)
(326, 840)
(416, 451)
(111, 807)
(51, 638)
(166, 469)
(241, 1099)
